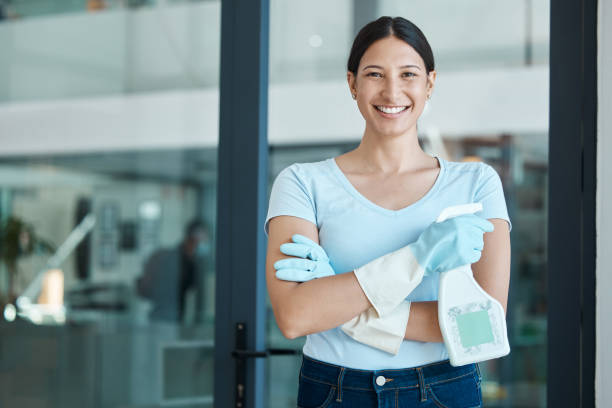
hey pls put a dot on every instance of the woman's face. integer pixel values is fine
(391, 86)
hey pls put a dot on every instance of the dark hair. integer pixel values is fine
(194, 226)
(385, 27)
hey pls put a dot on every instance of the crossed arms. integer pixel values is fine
(326, 303)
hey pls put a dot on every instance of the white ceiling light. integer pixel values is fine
(315, 41)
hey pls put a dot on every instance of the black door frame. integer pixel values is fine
(571, 213)
(241, 200)
(243, 153)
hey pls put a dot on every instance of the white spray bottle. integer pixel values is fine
(473, 324)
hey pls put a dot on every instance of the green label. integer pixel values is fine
(475, 328)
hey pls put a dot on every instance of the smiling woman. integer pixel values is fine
(361, 225)
(391, 76)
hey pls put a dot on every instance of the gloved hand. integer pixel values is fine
(435, 250)
(314, 265)
(451, 243)
(442, 246)
(386, 333)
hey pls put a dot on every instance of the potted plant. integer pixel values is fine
(18, 239)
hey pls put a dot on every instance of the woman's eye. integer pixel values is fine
(374, 74)
(409, 74)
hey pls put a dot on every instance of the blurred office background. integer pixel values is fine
(108, 154)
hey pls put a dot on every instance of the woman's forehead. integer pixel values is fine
(391, 51)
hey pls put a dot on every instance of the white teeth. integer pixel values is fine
(397, 109)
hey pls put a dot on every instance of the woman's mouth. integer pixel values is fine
(390, 111)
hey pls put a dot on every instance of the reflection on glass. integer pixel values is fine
(170, 273)
(108, 202)
(132, 282)
(73, 54)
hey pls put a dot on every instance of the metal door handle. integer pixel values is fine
(241, 354)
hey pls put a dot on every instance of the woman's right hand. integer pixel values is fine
(446, 245)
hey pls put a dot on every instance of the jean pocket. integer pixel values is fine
(462, 392)
(314, 394)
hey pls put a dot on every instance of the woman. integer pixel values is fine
(339, 217)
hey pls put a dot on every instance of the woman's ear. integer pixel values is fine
(431, 79)
(352, 82)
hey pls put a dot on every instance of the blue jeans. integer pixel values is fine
(436, 385)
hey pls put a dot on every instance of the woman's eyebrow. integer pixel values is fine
(379, 67)
(372, 66)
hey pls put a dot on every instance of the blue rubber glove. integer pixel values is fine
(455, 242)
(315, 262)
(442, 246)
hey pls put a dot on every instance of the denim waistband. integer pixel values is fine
(428, 374)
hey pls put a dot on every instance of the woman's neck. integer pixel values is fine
(391, 155)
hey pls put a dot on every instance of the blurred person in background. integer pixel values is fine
(169, 273)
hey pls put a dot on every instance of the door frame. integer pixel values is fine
(240, 295)
(571, 197)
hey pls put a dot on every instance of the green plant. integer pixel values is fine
(17, 239)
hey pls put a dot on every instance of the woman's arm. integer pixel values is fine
(313, 306)
(492, 272)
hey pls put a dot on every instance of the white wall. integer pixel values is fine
(603, 375)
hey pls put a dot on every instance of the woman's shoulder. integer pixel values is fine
(470, 166)
(470, 173)
(307, 170)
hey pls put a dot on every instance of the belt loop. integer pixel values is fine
(340, 378)
(422, 384)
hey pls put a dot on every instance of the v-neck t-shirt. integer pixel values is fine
(353, 231)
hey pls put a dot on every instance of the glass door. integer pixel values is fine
(108, 195)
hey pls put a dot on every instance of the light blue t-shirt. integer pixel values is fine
(353, 231)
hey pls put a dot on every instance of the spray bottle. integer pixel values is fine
(473, 324)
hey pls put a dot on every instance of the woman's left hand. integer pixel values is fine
(315, 262)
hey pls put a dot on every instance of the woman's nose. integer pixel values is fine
(391, 89)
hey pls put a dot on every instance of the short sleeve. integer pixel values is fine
(290, 196)
(490, 193)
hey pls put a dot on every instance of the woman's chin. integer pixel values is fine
(394, 131)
